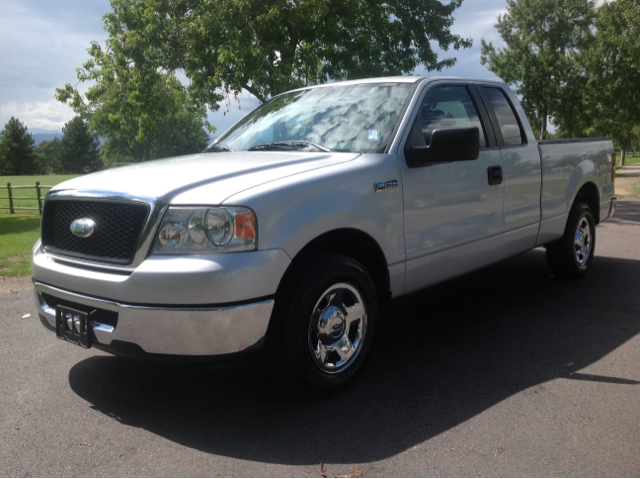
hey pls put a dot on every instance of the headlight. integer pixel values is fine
(206, 230)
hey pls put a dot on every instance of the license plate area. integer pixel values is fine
(73, 325)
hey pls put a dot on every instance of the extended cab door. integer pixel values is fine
(453, 211)
(521, 166)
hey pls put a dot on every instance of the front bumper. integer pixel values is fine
(200, 305)
(181, 280)
(161, 330)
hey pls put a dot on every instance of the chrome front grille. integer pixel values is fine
(118, 227)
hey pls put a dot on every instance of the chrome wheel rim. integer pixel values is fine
(583, 241)
(337, 328)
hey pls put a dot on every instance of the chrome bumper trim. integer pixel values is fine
(190, 331)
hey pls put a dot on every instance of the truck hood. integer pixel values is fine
(232, 172)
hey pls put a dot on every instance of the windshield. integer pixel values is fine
(352, 118)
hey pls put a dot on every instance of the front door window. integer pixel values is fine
(449, 107)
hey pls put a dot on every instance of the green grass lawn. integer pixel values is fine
(47, 180)
(630, 160)
(18, 233)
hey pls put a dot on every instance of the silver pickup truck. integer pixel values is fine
(288, 232)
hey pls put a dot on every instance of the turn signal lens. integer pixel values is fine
(246, 225)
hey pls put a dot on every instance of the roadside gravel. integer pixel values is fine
(13, 284)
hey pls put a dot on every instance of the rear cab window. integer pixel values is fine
(512, 134)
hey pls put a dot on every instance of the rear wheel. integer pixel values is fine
(323, 324)
(571, 256)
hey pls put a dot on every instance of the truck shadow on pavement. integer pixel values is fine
(441, 357)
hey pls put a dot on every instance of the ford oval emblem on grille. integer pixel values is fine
(83, 227)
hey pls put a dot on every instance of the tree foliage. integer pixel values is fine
(17, 155)
(48, 157)
(79, 149)
(614, 72)
(545, 39)
(263, 46)
(143, 112)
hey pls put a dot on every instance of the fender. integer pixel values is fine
(294, 211)
(584, 173)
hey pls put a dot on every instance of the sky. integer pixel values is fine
(43, 42)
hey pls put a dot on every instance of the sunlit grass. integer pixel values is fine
(18, 233)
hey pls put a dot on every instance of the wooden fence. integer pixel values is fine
(12, 199)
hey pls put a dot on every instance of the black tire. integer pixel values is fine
(299, 302)
(564, 257)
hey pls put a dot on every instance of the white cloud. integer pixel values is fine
(38, 116)
(478, 24)
(475, 19)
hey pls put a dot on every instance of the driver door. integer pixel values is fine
(453, 212)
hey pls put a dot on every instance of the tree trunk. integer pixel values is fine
(543, 123)
(623, 156)
(543, 127)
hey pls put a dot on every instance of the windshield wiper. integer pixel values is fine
(288, 145)
(216, 149)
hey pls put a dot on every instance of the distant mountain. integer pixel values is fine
(39, 137)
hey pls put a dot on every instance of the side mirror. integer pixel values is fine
(450, 144)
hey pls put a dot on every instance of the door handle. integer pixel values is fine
(495, 175)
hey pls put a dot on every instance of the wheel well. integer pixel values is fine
(589, 194)
(354, 243)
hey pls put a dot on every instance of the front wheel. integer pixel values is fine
(323, 324)
(571, 256)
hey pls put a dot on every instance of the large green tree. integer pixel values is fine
(79, 150)
(262, 46)
(17, 155)
(270, 46)
(614, 67)
(544, 39)
(143, 113)
(48, 157)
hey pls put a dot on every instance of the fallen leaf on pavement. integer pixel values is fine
(358, 473)
(25, 316)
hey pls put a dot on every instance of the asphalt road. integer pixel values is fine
(505, 372)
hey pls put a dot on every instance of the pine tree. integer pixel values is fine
(79, 148)
(17, 149)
